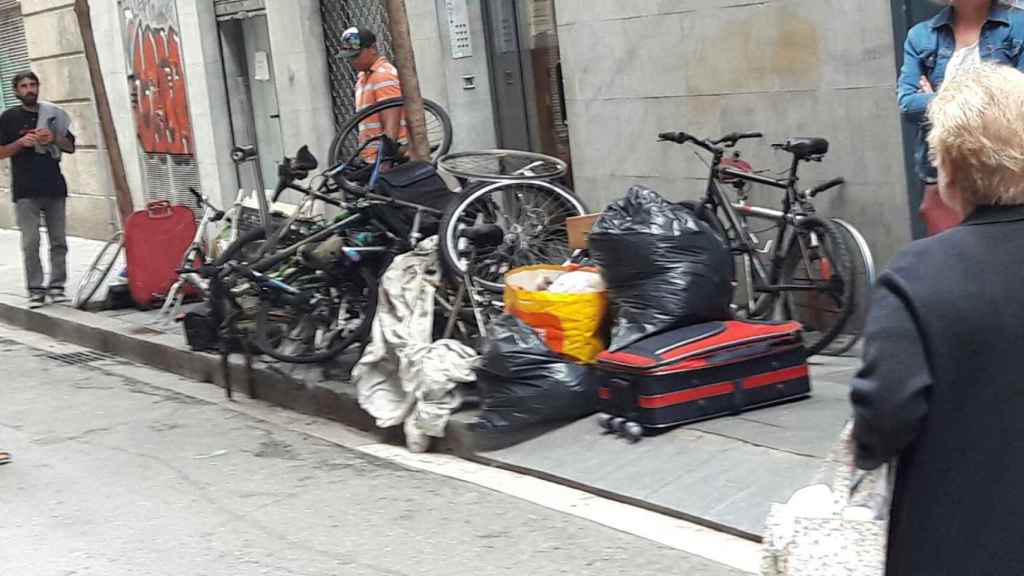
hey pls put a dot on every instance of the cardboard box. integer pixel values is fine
(579, 229)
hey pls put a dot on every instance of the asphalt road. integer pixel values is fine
(114, 475)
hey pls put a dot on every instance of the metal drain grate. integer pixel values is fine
(78, 358)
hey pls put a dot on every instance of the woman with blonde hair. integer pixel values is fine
(941, 389)
(963, 34)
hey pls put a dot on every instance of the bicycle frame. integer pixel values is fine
(364, 200)
(761, 278)
(195, 252)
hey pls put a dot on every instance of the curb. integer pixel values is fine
(278, 384)
(288, 386)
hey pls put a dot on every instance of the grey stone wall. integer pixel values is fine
(784, 67)
(55, 49)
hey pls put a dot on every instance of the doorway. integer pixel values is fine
(905, 14)
(252, 93)
(526, 76)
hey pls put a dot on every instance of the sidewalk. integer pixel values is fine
(723, 473)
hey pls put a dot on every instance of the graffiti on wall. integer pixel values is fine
(159, 99)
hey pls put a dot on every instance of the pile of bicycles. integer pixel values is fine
(304, 293)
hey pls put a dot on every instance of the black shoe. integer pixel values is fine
(37, 300)
(57, 295)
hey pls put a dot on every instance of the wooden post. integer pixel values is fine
(123, 193)
(405, 59)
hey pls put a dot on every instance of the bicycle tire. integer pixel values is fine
(449, 229)
(93, 279)
(836, 258)
(263, 340)
(348, 135)
(237, 247)
(864, 275)
(502, 165)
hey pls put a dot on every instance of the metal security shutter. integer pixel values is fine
(169, 177)
(13, 49)
(337, 16)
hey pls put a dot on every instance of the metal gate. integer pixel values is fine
(13, 49)
(337, 16)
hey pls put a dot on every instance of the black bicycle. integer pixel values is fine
(438, 127)
(806, 273)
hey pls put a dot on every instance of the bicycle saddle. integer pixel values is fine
(304, 160)
(806, 147)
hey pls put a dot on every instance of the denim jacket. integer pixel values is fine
(927, 52)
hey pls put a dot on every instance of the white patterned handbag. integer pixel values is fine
(834, 529)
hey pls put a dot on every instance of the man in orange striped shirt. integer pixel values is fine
(377, 81)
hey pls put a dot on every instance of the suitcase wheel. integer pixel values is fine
(632, 432)
(617, 424)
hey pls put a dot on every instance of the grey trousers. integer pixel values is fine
(30, 213)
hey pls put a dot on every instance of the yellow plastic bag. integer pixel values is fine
(569, 323)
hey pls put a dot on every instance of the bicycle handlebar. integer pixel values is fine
(709, 145)
(682, 138)
(677, 137)
(734, 137)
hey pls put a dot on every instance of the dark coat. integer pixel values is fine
(942, 389)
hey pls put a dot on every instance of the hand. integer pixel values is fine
(28, 140)
(44, 136)
(925, 86)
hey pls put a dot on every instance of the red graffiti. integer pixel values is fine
(159, 96)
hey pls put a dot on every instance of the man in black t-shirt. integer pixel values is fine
(37, 184)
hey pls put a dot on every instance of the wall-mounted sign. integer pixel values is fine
(458, 29)
(261, 66)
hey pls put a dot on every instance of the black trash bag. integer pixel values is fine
(664, 267)
(522, 382)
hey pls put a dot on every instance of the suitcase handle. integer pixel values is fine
(159, 209)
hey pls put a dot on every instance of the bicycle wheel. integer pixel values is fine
(332, 314)
(98, 271)
(496, 227)
(502, 165)
(244, 249)
(439, 130)
(863, 283)
(817, 261)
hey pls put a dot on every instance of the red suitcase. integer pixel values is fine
(699, 372)
(155, 240)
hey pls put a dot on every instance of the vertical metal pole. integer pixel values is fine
(405, 59)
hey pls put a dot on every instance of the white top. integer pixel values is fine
(963, 59)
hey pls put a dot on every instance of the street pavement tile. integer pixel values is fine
(726, 471)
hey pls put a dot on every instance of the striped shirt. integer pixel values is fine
(379, 83)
